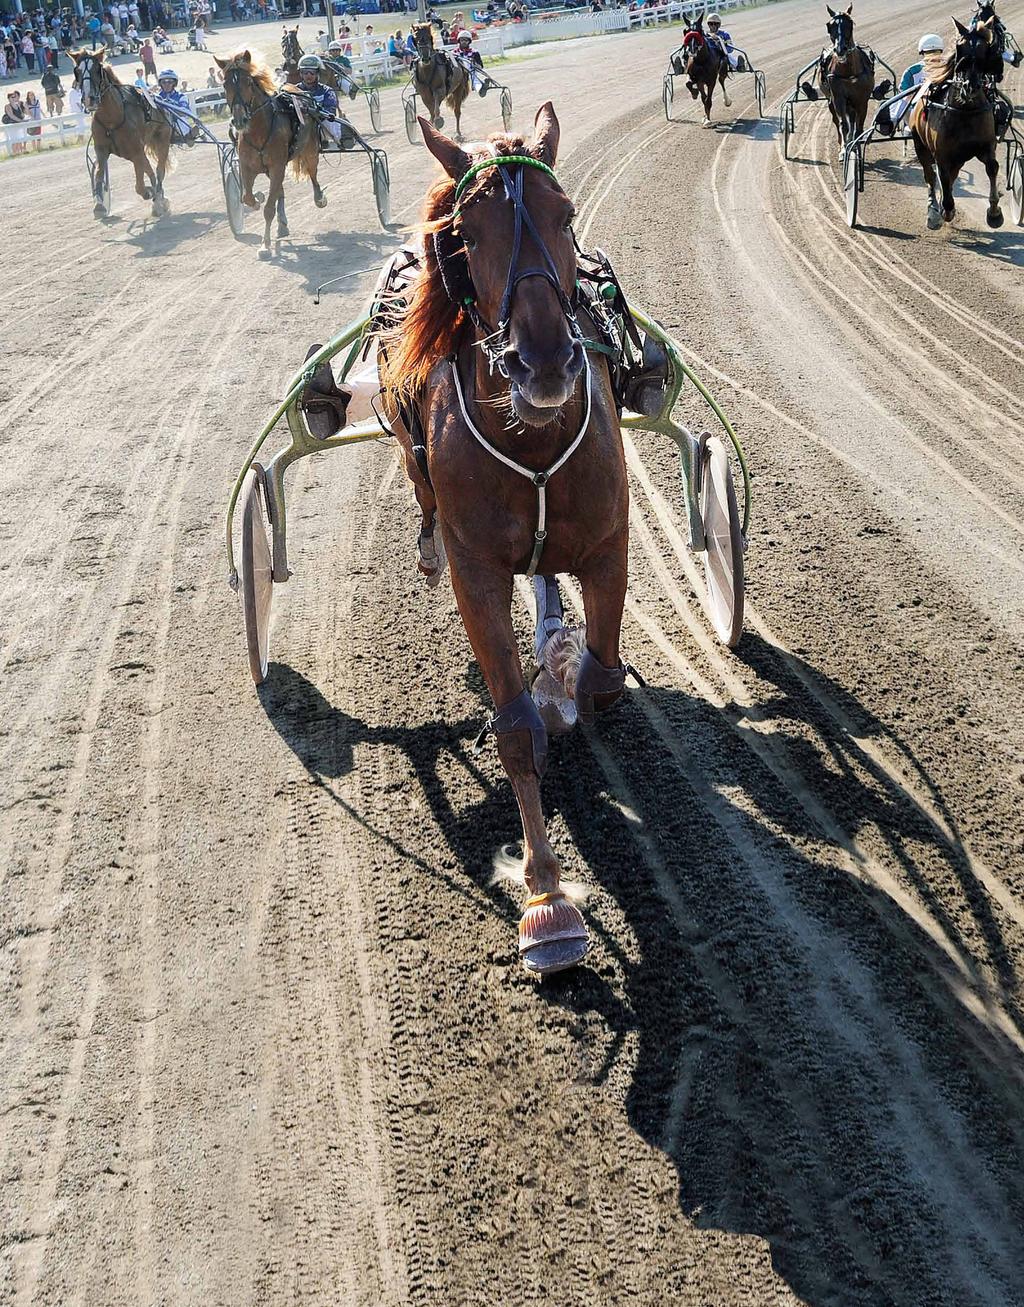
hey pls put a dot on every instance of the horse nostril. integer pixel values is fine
(515, 368)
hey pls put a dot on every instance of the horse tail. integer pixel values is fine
(307, 153)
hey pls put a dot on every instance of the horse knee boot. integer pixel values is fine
(592, 679)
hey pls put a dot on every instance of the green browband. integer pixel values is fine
(496, 162)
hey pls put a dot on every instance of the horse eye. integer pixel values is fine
(469, 242)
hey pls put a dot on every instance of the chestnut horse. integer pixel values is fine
(268, 135)
(957, 122)
(437, 77)
(705, 63)
(847, 76)
(123, 123)
(520, 459)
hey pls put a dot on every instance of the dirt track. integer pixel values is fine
(264, 1035)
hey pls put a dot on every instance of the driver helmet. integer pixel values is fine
(930, 43)
(713, 19)
(465, 36)
(310, 63)
(335, 47)
(168, 75)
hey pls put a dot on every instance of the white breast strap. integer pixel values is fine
(539, 479)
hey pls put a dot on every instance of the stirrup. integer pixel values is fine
(552, 934)
(323, 403)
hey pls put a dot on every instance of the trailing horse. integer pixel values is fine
(437, 78)
(332, 73)
(704, 63)
(125, 123)
(269, 136)
(516, 460)
(955, 120)
(847, 76)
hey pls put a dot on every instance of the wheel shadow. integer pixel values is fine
(800, 1047)
(318, 258)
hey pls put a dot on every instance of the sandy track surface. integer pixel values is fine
(265, 1038)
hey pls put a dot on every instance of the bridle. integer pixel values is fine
(840, 29)
(495, 339)
(968, 76)
(233, 80)
(93, 99)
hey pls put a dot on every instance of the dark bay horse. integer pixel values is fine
(123, 123)
(269, 136)
(955, 122)
(847, 76)
(523, 469)
(437, 78)
(332, 72)
(705, 63)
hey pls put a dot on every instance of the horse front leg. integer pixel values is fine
(948, 201)
(994, 216)
(275, 193)
(99, 208)
(725, 90)
(706, 91)
(319, 195)
(552, 934)
(160, 206)
(145, 177)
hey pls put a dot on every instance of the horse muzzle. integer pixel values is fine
(542, 382)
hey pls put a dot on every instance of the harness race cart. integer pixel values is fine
(379, 171)
(369, 93)
(853, 157)
(675, 69)
(409, 99)
(716, 527)
(227, 156)
(787, 114)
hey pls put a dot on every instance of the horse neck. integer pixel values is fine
(847, 58)
(258, 116)
(111, 98)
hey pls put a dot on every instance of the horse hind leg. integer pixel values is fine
(927, 162)
(706, 93)
(558, 651)
(725, 90)
(282, 217)
(145, 178)
(160, 205)
(948, 200)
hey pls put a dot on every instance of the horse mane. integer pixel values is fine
(259, 73)
(430, 327)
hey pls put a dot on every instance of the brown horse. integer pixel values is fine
(269, 136)
(956, 121)
(332, 72)
(123, 123)
(437, 77)
(705, 63)
(490, 364)
(847, 76)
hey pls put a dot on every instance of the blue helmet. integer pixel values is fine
(168, 75)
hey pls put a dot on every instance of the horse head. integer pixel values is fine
(291, 51)
(512, 226)
(91, 75)
(247, 86)
(694, 42)
(423, 36)
(840, 30)
(973, 56)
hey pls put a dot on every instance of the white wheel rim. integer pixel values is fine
(257, 576)
(722, 566)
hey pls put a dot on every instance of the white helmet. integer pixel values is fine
(714, 18)
(931, 43)
(335, 47)
(309, 63)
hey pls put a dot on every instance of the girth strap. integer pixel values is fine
(539, 479)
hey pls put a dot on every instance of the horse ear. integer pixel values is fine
(850, 9)
(545, 134)
(221, 63)
(831, 11)
(700, 20)
(454, 161)
(100, 54)
(960, 27)
(245, 57)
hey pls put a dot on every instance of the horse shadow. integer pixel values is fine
(158, 237)
(321, 256)
(838, 1145)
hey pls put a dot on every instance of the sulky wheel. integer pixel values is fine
(723, 540)
(851, 184)
(257, 571)
(374, 101)
(761, 88)
(668, 92)
(506, 108)
(788, 127)
(381, 186)
(410, 121)
(233, 199)
(1015, 188)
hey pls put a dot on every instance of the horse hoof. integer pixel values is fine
(259, 197)
(706, 122)
(994, 218)
(320, 201)
(282, 230)
(439, 122)
(264, 252)
(934, 219)
(948, 217)
(552, 934)
(99, 211)
(147, 194)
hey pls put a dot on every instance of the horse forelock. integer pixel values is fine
(259, 72)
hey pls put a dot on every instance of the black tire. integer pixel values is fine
(760, 89)
(373, 98)
(723, 554)
(506, 108)
(788, 127)
(381, 186)
(668, 93)
(410, 121)
(852, 182)
(1015, 188)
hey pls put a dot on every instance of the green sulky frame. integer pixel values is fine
(353, 336)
